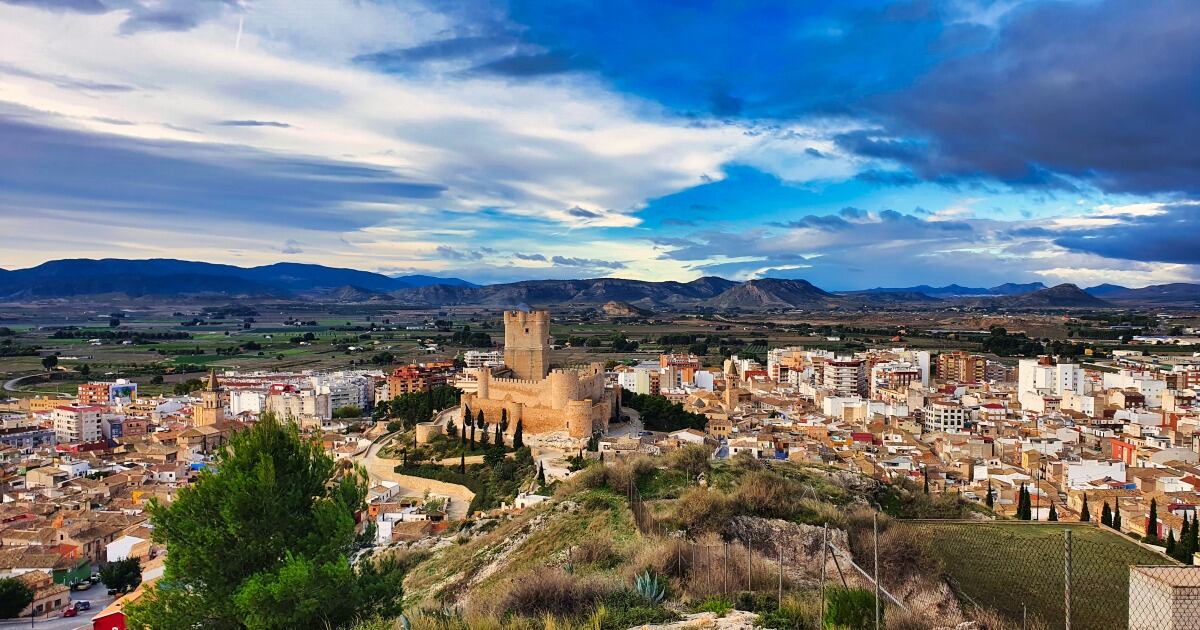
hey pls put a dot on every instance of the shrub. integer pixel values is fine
(795, 613)
(596, 551)
(551, 591)
(701, 510)
(626, 609)
(850, 607)
(718, 605)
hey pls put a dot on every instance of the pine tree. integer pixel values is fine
(518, 436)
(1152, 521)
(1086, 515)
(1117, 516)
(1106, 515)
(991, 499)
(1053, 514)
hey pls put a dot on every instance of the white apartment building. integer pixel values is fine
(481, 358)
(945, 416)
(845, 376)
(345, 389)
(1079, 473)
(77, 423)
(1043, 377)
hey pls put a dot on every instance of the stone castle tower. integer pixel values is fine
(527, 343)
(210, 411)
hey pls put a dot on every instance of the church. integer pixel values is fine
(574, 401)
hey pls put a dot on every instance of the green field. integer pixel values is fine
(1019, 567)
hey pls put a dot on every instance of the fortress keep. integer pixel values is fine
(574, 401)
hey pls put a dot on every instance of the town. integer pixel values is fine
(1109, 439)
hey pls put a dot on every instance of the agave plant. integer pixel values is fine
(648, 586)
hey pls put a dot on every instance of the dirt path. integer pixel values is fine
(383, 469)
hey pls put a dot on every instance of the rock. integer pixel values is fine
(734, 620)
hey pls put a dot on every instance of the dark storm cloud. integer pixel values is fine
(87, 173)
(1107, 92)
(1169, 237)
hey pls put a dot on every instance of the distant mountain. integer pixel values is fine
(1102, 290)
(1060, 296)
(771, 293)
(639, 293)
(165, 277)
(891, 296)
(1173, 293)
(957, 290)
(351, 293)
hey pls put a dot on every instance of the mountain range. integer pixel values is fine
(169, 278)
(165, 277)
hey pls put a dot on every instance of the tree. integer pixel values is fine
(1106, 515)
(462, 463)
(450, 428)
(1053, 513)
(84, 369)
(518, 436)
(123, 575)
(1085, 515)
(926, 473)
(483, 437)
(480, 422)
(49, 361)
(503, 420)
(991, 499)
(499, 439)
(14, 597)
(1171, 543)
(472, 436)
(541, 474)
(1152, 521)
(1116, 524)
(261, 541)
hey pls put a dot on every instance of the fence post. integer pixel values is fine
(824, 560)
(749, 566)
(1067, 579)
(780, 574)
(875, 519)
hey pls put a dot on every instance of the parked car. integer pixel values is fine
(81, 585)
(83, 604)
(112, 591)
(70, 612)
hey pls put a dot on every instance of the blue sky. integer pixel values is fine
(854, 144)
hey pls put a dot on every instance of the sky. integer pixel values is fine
(852, 144)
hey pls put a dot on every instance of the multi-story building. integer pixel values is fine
(421, 377)
(76, 423)
(961, 367)
(475, 359)
(1044, 376)
(944, 416)
(845, 377)
(678, 370)
(93, 393)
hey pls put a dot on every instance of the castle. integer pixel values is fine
(574, 401)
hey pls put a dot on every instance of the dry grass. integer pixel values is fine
(597, 551)
(553, 592)
(697, 571)
(991, 620)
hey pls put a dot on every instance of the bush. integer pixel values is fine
(795, 613)
(626, 609)
(702, 510)
(850, 607)
(596, 551)
(718, 605)
(551, 591)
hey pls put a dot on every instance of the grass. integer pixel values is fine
(1007, 566)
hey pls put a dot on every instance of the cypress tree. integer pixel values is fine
(450, 428)
(1184, 534)
(472, 436)
(1085, 516)
(926, 471)
(1193, 541)
(991, 500)
(1152, 521)
(541, 474)
(1106, 515)
(1117, 515)
(518, 438)
(462, 463)
(504, 420)
(483, 437)
(1171, 543)
(1053, 513)
(479, 421)
(499, 436)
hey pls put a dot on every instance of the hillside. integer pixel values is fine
(1060, 296)
(1174, 293)
(771, 293)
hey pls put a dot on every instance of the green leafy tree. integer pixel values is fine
(49, 361)
(1085, 515)
(261, 541)
(123, 575)
(84, 369)
(14, 597)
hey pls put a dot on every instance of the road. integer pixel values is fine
(97, 595)
(383, 469)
